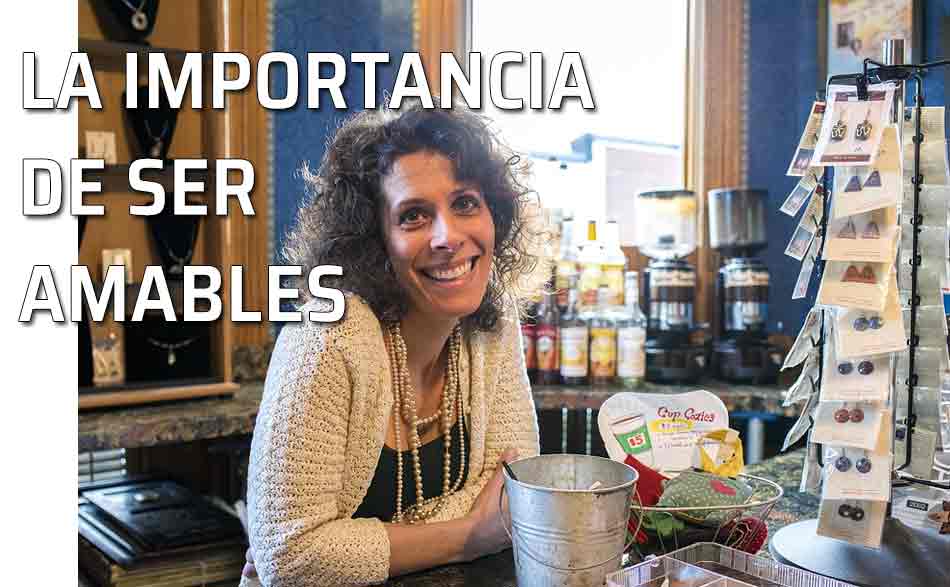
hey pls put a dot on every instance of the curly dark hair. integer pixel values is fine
(340, 221)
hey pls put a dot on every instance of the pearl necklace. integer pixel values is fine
(405, 406)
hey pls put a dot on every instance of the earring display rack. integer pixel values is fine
(907, 556)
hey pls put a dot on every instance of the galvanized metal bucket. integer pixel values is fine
(562, 531)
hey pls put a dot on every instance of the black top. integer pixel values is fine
(380, 500)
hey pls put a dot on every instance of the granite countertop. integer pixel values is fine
(499, 570)
(185, 421)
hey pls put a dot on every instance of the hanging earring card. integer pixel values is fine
(869, 236)
(851, 132)
(855, 285)
(806, 144)
(798, 196)
(933, 149)
(862, 189)
(860, 333)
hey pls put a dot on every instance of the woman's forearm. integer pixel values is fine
(423, 546)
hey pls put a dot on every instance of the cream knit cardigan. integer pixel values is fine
(323, 419)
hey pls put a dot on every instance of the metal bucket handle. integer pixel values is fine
(537, 559)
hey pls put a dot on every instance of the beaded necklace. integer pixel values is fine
(405, 406)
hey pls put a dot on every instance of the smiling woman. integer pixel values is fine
(376, 448)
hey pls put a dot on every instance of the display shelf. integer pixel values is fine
(199, 133)
(110, 55)
(153, 394)
(115, 178)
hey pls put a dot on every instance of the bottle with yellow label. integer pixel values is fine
(603, 342)
(615, 263)
(566, 264)
(591, 263)
(573, 341)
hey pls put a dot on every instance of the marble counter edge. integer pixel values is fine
(211, 418)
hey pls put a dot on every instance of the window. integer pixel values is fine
(635, 58)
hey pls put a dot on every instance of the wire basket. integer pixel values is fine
(737, 526)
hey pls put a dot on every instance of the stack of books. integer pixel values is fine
(155, 532)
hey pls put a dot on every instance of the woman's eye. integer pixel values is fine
(411, 216)
(467, 203)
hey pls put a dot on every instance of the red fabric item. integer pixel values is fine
(649, 489)
(746, 534)
(649, 482)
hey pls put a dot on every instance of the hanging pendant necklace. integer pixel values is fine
(158, 142)
(139, 18)
(178, 263)
(404, 402)
(171, 348)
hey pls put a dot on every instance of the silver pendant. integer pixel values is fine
(156, 150)
(838, 131)
(176, 269)
(172, 359)
(139, 21)
(862, 132)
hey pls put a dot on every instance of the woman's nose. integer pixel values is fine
(447, 234)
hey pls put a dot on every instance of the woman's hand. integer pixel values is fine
(488, 534)
(249, 571)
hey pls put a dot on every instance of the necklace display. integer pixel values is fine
(158, 142)
(404, 408)
(139, 19)
(165, 230)
(171, 347)
(153, 128)
(128, 20)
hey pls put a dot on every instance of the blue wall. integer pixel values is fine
(783, 74)
(303, 26)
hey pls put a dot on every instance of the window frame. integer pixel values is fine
(714, 154)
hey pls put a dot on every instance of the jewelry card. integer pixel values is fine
(856, 474)
(804, 386)
(803, 423)
(808, 267)
(855, 285)
(855, 521)
(862, 189)
(932, 205)
(869, 236)
(805, 341)
(852, 424)
(806, 144)
(798, 196)
(860, 333)
(866, 378)
(851, 131)
(933, 149)
(807, 227)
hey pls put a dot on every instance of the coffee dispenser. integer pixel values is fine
(666, 232)
(741, 351)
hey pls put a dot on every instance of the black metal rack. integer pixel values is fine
(878, 74)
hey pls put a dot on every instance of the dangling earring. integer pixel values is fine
(848, 230)
(854, 185)
(862, 132)
(839, 131)
(873, 180)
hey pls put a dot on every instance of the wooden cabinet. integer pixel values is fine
(238, 131)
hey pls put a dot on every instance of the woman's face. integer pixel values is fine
(439, 235)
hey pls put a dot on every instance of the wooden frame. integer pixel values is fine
(715, 122)
(914, 43)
